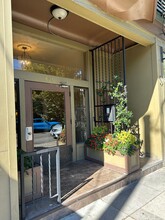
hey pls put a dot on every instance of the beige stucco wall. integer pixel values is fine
(161, 93)
(8, 165)
(144, 96)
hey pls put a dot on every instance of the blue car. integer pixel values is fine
(42, 124)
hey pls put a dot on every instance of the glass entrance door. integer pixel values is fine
(48, 118)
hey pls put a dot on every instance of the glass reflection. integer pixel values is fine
(48, 118)
(81, 114)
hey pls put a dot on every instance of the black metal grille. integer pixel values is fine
(161, 7)
(161, 11)
(108, 61)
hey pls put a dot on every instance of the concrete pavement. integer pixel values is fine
(141, 200)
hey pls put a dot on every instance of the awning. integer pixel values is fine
(128, 9)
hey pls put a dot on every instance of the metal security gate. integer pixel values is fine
(108, 61)
(37, 191)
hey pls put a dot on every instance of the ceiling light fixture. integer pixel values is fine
(58, 13)
(25, 58)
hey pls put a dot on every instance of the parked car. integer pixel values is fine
(56, 130)
(42, 124)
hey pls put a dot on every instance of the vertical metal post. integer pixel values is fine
(124, 61)
(58, 175)
(41, 168)
(94, 86)
(50, 181)
(22, 188)
(32, 178)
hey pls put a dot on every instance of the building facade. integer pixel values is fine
(60, 53)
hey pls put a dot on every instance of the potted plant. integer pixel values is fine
(124, 142)
(119, 150)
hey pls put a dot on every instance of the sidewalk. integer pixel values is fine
(141, 200)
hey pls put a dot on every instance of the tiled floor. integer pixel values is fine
(84, 176)
(76, 179)
(79, 179)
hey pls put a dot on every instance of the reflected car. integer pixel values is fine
(56, 130)
(42, 124)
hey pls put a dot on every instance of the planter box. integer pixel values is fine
(28, 183)
(123, 164)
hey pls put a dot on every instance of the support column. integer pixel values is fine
(8, 158)
(74, 155)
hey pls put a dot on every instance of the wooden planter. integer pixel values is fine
(119, 163)
(28, 183)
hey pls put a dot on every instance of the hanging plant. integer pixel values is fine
(102, 91)
(103, 88)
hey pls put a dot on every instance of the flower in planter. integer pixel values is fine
(96, 139)
(110, 144)
(123, 142)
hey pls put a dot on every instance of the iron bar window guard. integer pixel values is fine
(108, 61)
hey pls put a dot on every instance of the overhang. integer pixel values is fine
(128, 29)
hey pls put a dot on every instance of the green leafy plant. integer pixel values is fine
(100, 130)
(27, 160)
(123, 140)
(123, 115)
(101, 91)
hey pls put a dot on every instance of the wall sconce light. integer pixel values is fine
(25, 58)
(58, 13)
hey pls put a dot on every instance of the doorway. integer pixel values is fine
(48, 121)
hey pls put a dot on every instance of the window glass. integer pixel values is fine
(81, 114)
(48, 118)
(57, 61)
